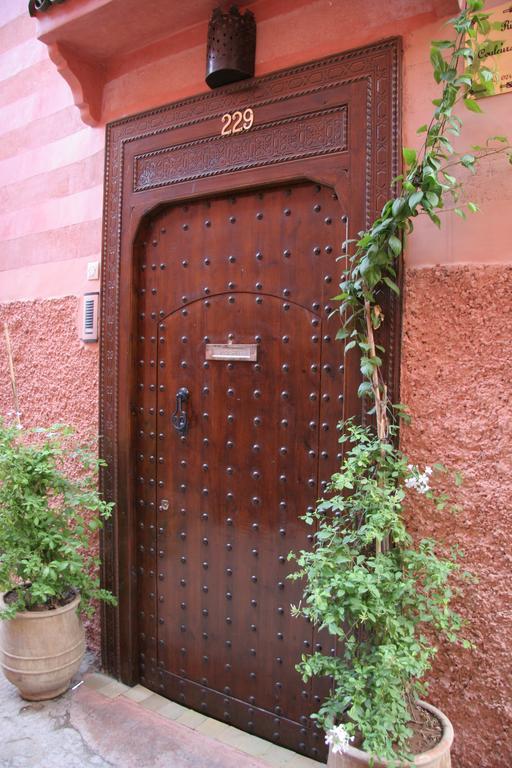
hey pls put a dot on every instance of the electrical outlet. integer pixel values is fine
(93, 270)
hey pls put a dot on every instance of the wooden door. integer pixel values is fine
(254, 272)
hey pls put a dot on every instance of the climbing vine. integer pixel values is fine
(428, 187)
(378, 592)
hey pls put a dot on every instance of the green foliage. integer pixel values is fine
(383, 596)
(377, 604)
(47, 519)
(429, 185)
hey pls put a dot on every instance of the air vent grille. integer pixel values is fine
(90, 317)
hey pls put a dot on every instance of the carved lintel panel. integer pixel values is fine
(319, 133)
(334, 120)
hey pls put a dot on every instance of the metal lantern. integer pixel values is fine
(37, 6)
(231, 47)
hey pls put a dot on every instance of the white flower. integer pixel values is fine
(419, 481)
(338, 739)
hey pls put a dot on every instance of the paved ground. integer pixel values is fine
(41, 734)
(103, 723)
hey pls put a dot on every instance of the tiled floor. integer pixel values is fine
(264, 752)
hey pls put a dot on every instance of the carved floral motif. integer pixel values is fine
(316, 134)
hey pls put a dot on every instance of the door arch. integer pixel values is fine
(327, 128)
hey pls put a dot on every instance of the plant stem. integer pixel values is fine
(12, 375)
(480, 155)
(379, 394)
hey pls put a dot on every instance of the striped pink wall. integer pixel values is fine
(51, 171)
(51, 163)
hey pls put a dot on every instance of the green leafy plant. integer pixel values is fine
(378, 604)
(382, 594)
(47, 518)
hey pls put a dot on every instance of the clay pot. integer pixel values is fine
(437, 757)
(40, 651)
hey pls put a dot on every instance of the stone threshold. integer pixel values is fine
(265, 752)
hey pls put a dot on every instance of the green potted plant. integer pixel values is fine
(384, 596)
(49, 508)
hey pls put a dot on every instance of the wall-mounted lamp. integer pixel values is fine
(37, 6)
(231, 48)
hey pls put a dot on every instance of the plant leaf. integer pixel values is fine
(472, 105)
(409, 155)
(415, 198)
(395, 244)
(394, 287)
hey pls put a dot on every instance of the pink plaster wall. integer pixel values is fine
(454, 376)
(456, 380)
(483, 238)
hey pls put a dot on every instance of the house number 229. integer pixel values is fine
(236, 122)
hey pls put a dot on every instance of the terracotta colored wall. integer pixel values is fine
(454, 370)
(56, 375)
(456, 379)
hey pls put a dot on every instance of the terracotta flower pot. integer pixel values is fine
(437, 757)
(40, 651)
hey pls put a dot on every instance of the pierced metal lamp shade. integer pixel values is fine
(231, 47)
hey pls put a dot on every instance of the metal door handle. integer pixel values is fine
(179, 419)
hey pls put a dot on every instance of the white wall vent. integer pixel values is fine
(90, 318)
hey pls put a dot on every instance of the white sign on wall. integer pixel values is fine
(499, 56)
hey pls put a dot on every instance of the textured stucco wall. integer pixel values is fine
(456, 378)
(56, 375)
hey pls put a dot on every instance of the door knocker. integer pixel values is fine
(179, 418)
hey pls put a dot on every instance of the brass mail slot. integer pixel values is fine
(247, 353)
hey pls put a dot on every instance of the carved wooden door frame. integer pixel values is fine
(307, 125)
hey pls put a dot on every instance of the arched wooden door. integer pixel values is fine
(222, 255)
(234, 297)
